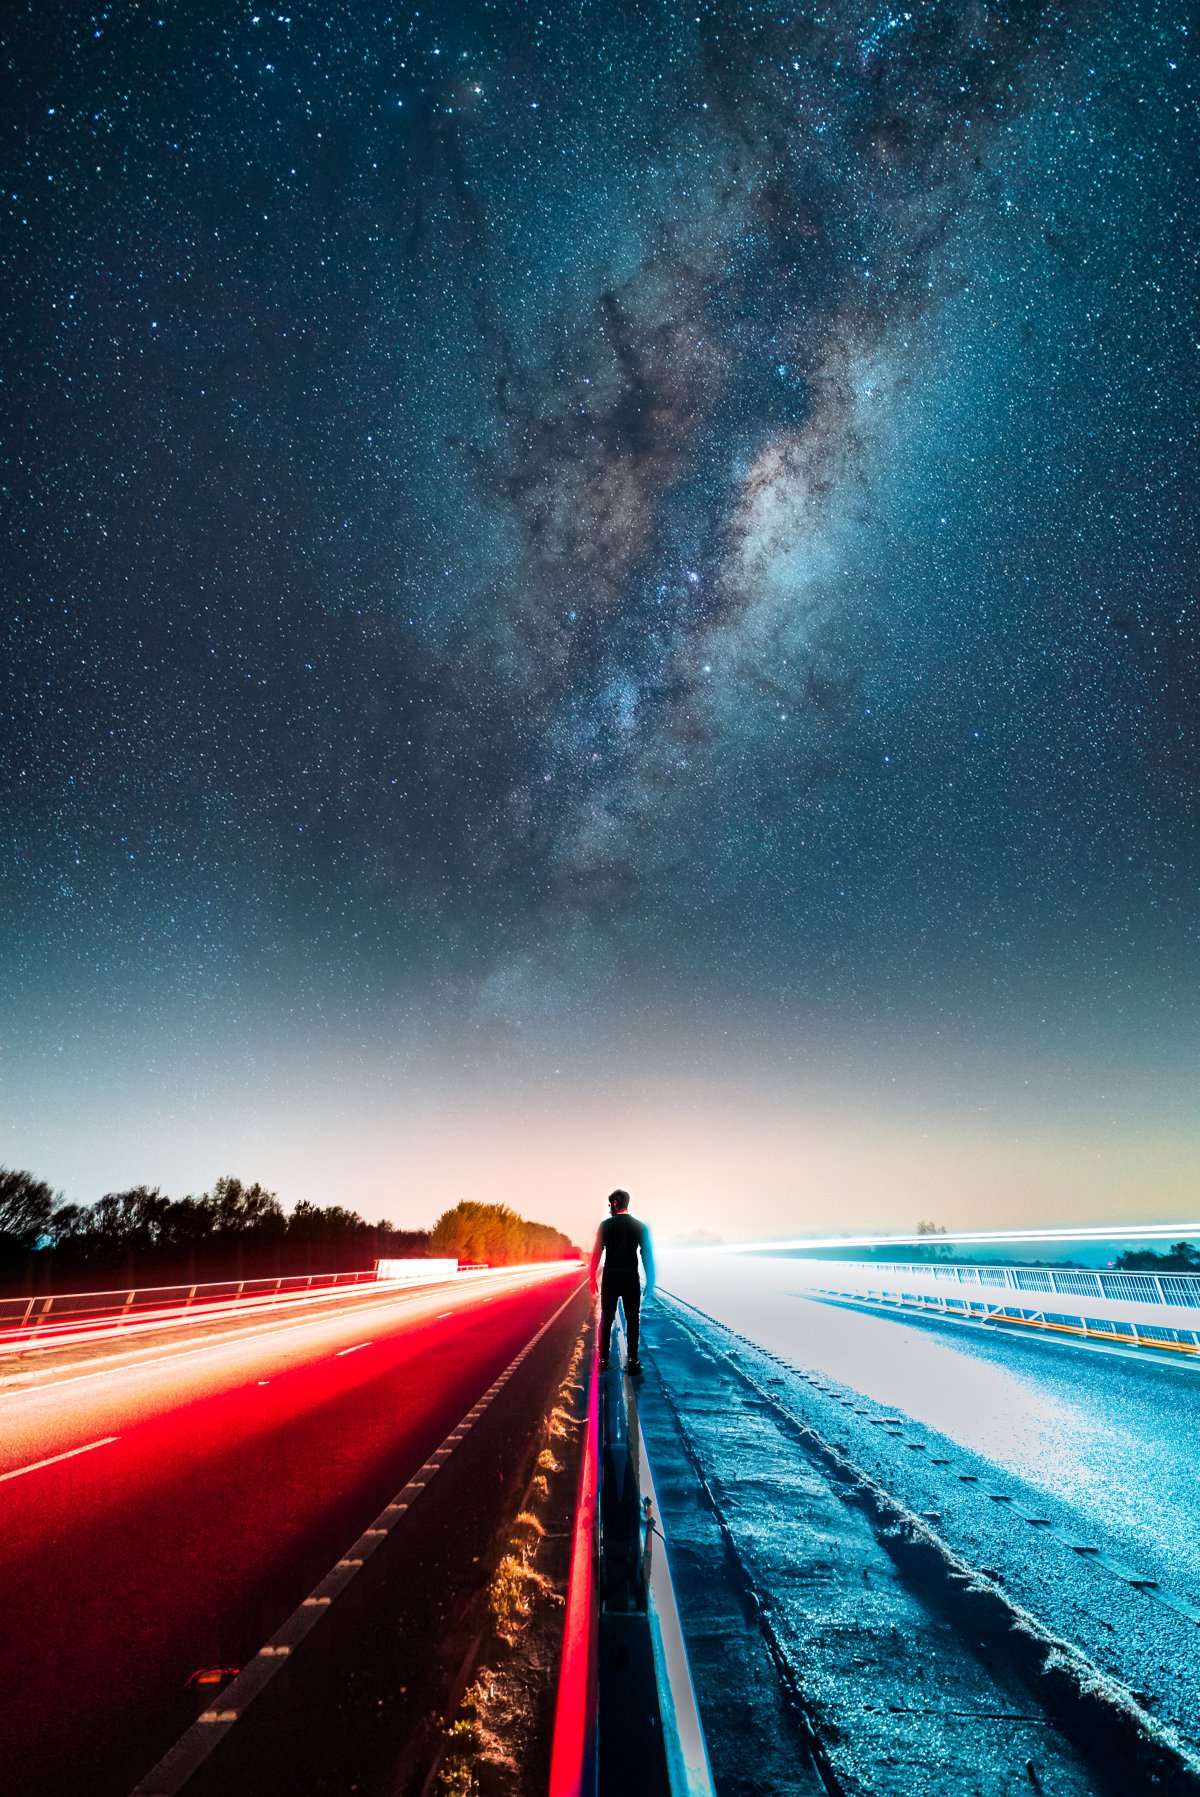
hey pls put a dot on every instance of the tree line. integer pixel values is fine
(1180, 1257)
(235, 1231)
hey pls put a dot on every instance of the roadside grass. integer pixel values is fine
(502, 1723)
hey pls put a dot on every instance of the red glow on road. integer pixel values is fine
(575, 1705)
(166, 1511)
(53, 1459)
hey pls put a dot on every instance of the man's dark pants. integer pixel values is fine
(629, 1291)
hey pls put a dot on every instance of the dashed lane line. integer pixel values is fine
(342, 1352)
(35, 1466)
(182, 1761)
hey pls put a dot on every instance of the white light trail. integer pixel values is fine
(395, 1299)
(1106, 1232)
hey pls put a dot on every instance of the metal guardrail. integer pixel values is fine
(51, 1308)
(688, 1769)
(626, 1717)
(31, 1323)
(1158, 1310)
(573, 1768)
(1179, 1289)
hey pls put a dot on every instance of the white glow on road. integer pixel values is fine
(1052, 1418)
(1002, 1416)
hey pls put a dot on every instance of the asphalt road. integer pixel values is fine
(1070, 1472)
(818, 1661)
(165, 1512)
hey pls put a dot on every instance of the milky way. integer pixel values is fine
(523, 516)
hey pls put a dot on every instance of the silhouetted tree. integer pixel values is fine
(930, 1250)
(26, 1208)
(1180, 1257)
(239, 1209)
(238, 1230)
(131, 1222)
(26, 1220)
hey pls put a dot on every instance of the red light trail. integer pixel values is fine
(161, 1512)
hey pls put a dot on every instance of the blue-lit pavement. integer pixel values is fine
(1066, 1474)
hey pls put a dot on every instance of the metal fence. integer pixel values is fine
(54, 1311)
(1160, 1310)
(1077, 1282)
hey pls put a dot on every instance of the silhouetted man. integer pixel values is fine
(619, 1240)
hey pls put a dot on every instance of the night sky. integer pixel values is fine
(602, 593)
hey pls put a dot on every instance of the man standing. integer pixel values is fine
(619, 1239)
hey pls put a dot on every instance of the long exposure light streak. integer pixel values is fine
(37, 1413)
(39, 1334)
(1108, 1232)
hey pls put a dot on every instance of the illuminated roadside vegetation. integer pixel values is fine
(495, 1234)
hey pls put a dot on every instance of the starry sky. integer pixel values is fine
(604, 593)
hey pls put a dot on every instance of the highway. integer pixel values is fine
(1067, 1473)
(164, 1508)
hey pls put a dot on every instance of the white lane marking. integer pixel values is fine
(353, 1350)
(37, 1465)
(11, 1389)
(441, 1314)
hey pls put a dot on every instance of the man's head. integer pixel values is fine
(618, 1201)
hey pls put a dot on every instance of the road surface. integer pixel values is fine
(162, 1512)
(1069, 1472)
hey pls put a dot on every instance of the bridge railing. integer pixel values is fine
(1160, 1310)
(52, 1314)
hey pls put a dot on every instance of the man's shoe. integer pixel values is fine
(634, 1369)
